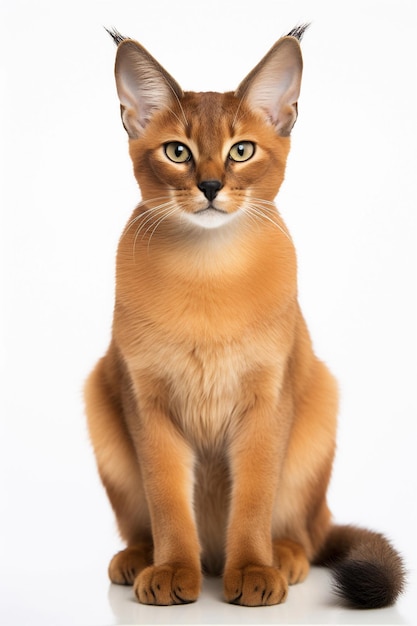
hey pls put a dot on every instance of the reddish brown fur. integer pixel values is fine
(212, 421)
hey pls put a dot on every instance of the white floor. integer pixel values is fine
(87, 599)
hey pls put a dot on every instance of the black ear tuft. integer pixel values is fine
(115, 35)
(298, 31)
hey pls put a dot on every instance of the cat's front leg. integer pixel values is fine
(256, 453)
(167, 465)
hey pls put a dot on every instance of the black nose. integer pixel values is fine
(210, 188)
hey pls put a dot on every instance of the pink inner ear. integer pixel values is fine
(143, 86)
(280, 108)
(274, 84)
(287, 119)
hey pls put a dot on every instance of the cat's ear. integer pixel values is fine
(143, 86)
(273, 86)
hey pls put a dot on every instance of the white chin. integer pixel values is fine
(210, 218)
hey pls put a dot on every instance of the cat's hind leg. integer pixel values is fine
(128, 563)
(291, 559)
(119, 471)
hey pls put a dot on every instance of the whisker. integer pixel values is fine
(159, 222)
(168, 206)
(135, 220)
(262, 201)
(238, 110)
(250, 214)
(155, 211)
(260, 212)
(177, 117)
(155, 217)
(187, 124)
(150, 216)
(140, 216)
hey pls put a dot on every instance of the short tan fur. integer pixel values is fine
(212, 420)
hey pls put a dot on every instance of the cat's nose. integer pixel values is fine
(210, 188)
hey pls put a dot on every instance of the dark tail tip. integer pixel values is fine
(298, 31)
(368, 573)
(366, 585)
(115, 35)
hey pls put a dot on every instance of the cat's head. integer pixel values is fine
(206, 158)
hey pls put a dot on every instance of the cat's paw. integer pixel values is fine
(255, 586)
(167, 584)
(291, 560)
(126, 565)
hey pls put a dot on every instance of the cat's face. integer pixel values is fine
(206, 159)
(210, 161)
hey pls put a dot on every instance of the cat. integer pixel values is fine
(212, 421)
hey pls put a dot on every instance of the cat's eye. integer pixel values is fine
(177, 152)
(242, 151)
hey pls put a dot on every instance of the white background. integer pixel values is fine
(67, 190)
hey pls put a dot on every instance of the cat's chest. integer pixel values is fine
(205, 388)
(201, 337)
(209, 385)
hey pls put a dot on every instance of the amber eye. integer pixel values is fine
(177, 152)
(242, 151)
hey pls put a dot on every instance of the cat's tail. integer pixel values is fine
(368, 573)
